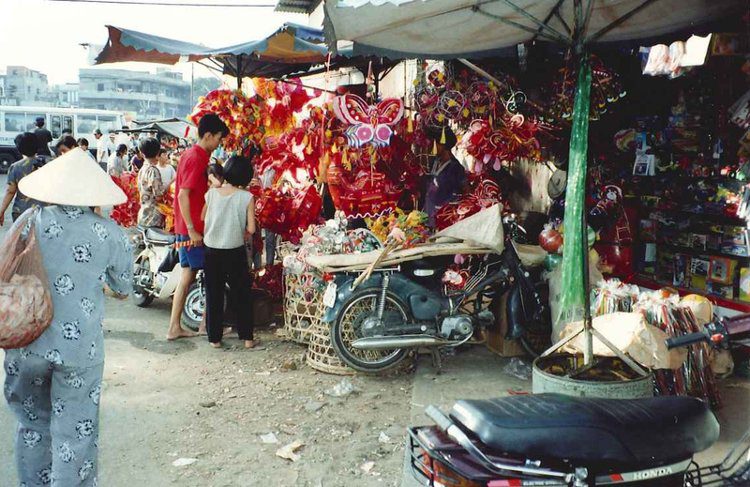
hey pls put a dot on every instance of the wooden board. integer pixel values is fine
(359, 262)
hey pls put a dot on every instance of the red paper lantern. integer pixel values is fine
(550, 240)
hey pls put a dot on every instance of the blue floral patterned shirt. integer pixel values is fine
(81, 252)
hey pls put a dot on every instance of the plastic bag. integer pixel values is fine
(25, 300)
(518, 368)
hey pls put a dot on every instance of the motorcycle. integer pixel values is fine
(156, 273)
(408, 307)
(557, 440)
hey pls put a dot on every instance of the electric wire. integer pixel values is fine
(170, 4)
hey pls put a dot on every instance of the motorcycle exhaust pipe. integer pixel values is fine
(387, 343)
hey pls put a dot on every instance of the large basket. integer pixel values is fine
(285, 248)
(303, 308)
(321, 355)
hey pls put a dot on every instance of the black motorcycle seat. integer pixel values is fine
(589, 430)
(157, 235)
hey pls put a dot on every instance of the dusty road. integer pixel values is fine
(154, 412)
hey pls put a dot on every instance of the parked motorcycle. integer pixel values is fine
(557, 440)
(397, 309)
(156, 273)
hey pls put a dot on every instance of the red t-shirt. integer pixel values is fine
(192, 174)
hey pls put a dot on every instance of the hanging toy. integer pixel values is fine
(369, 124)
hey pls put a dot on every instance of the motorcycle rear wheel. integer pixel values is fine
(361, 305)
(141, 296)
(195, 307)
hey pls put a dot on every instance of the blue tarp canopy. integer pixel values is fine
(291, 49)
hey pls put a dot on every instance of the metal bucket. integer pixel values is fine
(543, 381)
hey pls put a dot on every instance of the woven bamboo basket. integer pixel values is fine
(303, 307)
(284, 249)
(321, 355)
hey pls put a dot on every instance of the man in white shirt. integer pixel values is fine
(102, 149)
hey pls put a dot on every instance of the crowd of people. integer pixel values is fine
(214, 219)
(53, 384)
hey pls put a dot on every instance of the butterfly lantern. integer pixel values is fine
(368, 124)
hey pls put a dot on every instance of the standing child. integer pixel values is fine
(230, 218)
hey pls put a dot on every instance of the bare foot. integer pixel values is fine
(251, 343)
(216, 345)
(181, 333)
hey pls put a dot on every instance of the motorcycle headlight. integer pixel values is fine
(136, 240)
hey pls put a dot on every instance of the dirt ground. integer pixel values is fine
(165, 401)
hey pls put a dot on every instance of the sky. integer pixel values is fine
(46, 35)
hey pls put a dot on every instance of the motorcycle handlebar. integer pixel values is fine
(687, 339)
(443, 422)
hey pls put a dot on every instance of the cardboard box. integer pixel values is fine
(745, 284)
(681, 270)
(721, 270)
(726, 292)
(496, 341)
(698, 283)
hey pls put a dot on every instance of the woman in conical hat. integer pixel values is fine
(53, 385)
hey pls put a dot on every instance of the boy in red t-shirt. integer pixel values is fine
(191, 185)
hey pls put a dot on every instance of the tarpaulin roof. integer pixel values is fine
(291, 48)
(174, 127)
(297, 6)
(480, 28)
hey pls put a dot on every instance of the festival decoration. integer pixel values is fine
(241, 113)
(605, 90)
(455, 278)
(283, 99)
(510, 138)
(483, 193)
(412, 224)
(165, 206)
(368, 124)
(270, 280)
(126, 214)
(288, 211)
(550, 240)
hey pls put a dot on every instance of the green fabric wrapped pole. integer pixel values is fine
(575, 250)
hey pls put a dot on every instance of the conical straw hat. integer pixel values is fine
(73, 179)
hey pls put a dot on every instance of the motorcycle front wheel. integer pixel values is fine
(141, 297)
(347, 328)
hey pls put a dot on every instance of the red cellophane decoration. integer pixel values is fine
(288, 212)
(507, 139)
(483, 193)
(241, 113)
(126, 214)
(283, 100)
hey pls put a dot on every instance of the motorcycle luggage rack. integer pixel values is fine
(422, 457)
(733, 470)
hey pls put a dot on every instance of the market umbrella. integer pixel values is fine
(479, 28)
